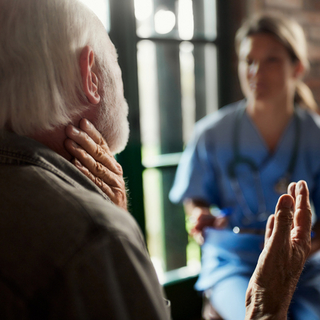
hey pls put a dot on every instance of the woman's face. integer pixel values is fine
(266, 71)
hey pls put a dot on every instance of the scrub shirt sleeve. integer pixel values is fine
(195, 178)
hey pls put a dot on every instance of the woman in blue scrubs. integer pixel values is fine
(242, 157)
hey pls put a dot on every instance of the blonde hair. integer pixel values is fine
(40, 45)
(291, 35)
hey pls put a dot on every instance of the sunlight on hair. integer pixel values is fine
(101, 9)
(164, 21)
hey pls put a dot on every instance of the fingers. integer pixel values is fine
(201, 218)
(204, 221)
(292, 190)
(90, 142)
(100, 167)
(220, 222)
(100, 183)
(93, 133)
(94, 159)
(198, 237)
(302, 218)
(302, 195)
(269, 228)
(93, 169)
(283, 218)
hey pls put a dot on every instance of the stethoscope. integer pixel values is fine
(238, 159)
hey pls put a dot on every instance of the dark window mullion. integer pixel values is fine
(123, 35)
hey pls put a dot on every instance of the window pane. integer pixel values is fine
(177, 86)
(148, 96)
(187, 69)
(177, 19)
(206, 90)
(159, 90)
(154, 222)
(198, 68)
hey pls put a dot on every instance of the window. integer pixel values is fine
(177, 70)
(168, 54)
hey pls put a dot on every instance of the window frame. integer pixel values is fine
(185, 301)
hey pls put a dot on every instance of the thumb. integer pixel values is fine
(283, 218)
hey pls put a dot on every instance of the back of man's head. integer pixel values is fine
(40, 80)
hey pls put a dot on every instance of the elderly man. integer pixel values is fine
(66, 251)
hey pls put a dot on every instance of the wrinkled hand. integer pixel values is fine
(287, 245)
(94, 159)
(201, 218)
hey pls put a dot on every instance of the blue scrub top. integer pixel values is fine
(203, 174)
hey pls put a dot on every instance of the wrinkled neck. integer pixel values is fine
(53, 139)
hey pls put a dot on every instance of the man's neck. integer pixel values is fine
(54, 140)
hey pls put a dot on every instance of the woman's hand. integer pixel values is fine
(287, 245)
(94, 159)
(201, 217)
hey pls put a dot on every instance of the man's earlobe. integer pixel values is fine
(90, 81)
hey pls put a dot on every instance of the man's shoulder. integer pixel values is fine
(57, 214)
(37, 182)
(73, 236)
(89, 211)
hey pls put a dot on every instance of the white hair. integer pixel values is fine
(40, 79)
(112, 121)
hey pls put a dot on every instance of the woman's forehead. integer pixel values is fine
(260, 43)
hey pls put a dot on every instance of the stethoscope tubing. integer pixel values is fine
(262, 214)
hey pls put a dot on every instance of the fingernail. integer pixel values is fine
(77, 163)
(87, 122)
(300, 185)
(74, 144)
(75, 130)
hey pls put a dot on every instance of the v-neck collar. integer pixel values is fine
(286, 139)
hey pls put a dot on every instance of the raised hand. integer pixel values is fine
(287, 245)
(94, 159)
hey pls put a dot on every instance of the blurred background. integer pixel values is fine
(179, 64)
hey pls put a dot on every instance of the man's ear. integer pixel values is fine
(89, 78)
